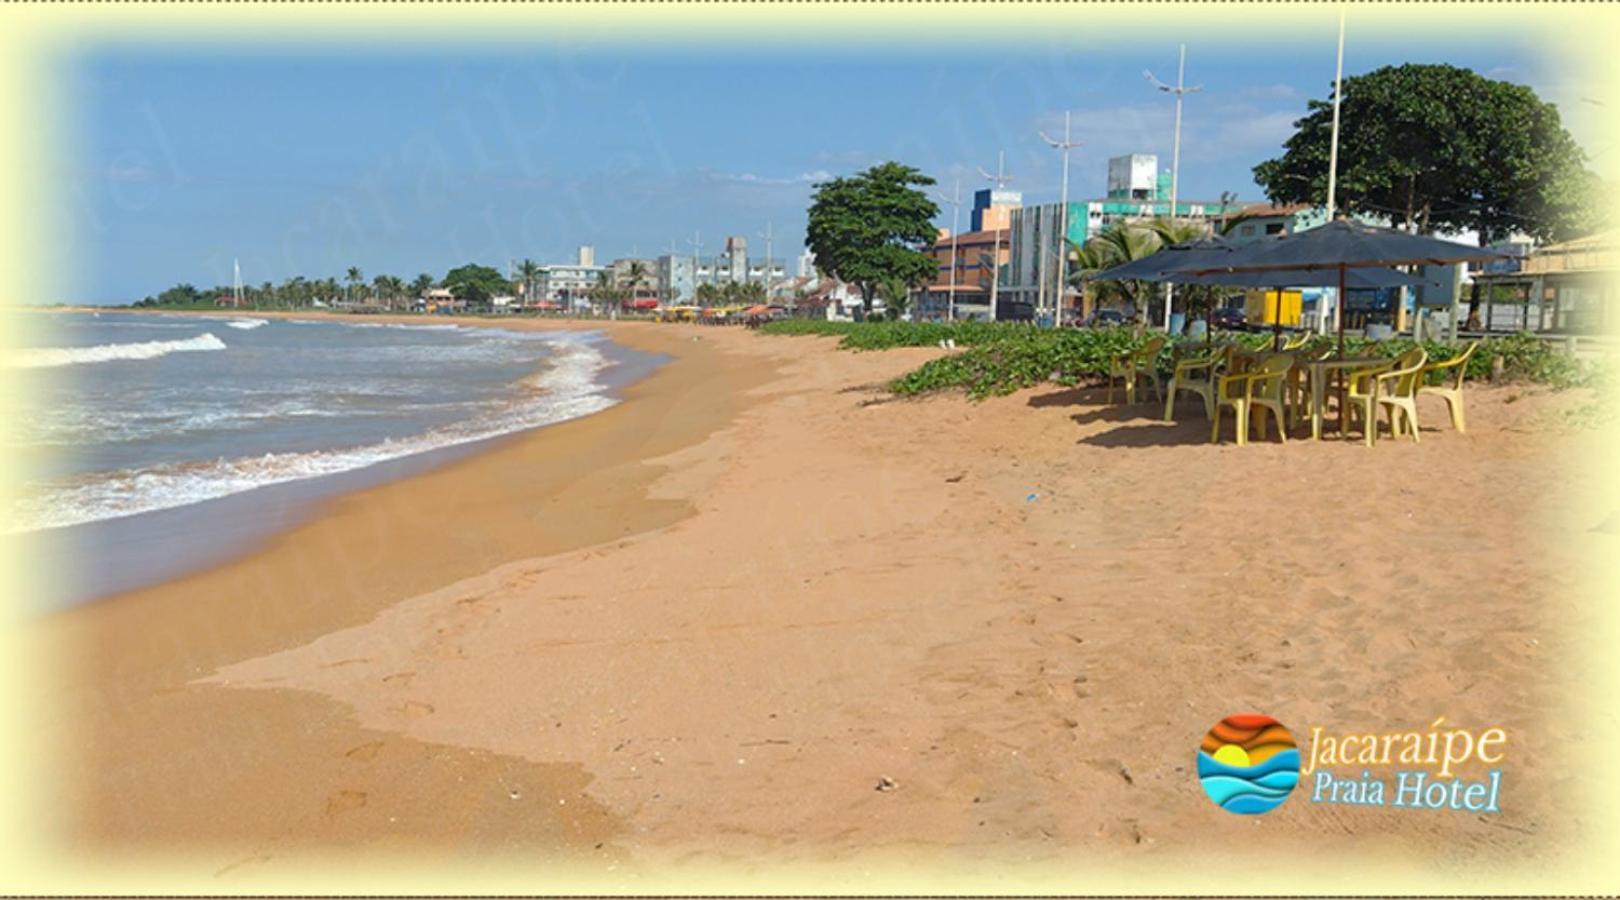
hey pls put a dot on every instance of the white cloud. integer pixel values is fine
(810, 177)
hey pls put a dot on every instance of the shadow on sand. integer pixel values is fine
(1142, 424)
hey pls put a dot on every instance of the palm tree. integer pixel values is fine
(1118, 244)
(422, 284)
(635, 275)
(294, 290)
(528, 271)
(603, 291)
(706, 294)
(896, 296)
(354, 277)
(1195, 298)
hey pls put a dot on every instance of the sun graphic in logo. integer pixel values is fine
(1248, 763)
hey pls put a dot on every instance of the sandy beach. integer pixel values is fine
(763, 614)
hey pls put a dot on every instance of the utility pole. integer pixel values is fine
(1333, 175)
(696, 240)
(1000, 179)
(955, 200)
(767, 237)
(1180, 90)
(1064, 145)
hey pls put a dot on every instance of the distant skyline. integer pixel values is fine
(417, 160)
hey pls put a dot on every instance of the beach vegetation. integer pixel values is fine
(527, 271)
(996, 358)
(1438, 147)
(355, 279)
(872, 227)
(475, 284)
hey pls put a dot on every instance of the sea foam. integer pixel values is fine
(47, 357)
(568, 389)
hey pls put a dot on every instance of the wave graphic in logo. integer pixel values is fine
(1248, 763)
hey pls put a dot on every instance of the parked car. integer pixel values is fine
(1104, 318)
(1229, 318)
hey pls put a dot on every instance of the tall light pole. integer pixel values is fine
(955, 200)
(697, 245)
(1333, 176)
(1000, 180)
(1180, 90)
(767, 237)
(1064, 145)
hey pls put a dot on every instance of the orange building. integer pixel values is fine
(975, 251)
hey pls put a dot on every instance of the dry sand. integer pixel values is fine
(704, 626)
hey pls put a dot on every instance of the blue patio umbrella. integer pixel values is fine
(1178, 264)
(1342, 246)
(1168, 261)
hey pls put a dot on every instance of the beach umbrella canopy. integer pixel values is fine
(1341, 246)
(1164, 265)
(1354, 279)
(1347, 245)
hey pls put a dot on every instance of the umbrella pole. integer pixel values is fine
(1338, 300)
(1276, 324)
(1338, 313)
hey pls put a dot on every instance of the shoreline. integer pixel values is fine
(777, 588)
(129, 549)
(573, 484)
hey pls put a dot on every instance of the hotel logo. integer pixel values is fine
(1248, 763)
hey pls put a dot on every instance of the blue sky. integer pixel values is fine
(405, 160)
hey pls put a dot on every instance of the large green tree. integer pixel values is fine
(475, 284)
(872, 227)
(1442, 147)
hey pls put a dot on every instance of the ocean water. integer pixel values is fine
(147, 426)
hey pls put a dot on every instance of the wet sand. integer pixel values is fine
(705, 627)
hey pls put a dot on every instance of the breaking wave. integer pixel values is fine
(568, 389)
(47, 357)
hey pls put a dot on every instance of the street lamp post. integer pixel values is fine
(1180, 90)
(767, 236)
(1000, 180)
(1064, 145)
(955, 200)
(697, 246)
(1333, 176)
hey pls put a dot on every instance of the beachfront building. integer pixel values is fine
(1564, 288)
(647, 291)
(439, 298)
(1137, 191)
(679, 276)
(569, 285)
(979, 256)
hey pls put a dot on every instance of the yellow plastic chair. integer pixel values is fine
(1133, 364)
(1296, 342)
(1187, 377)
(1451, 387)
(1259, 390)
(1393, 387)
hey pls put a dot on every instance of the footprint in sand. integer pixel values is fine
(344, 801)
(416, 709)
(399, 678)
(364, 751)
